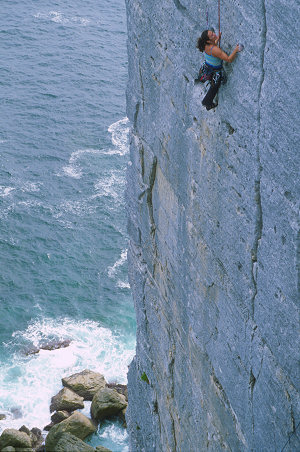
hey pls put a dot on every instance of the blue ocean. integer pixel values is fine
(63, 158)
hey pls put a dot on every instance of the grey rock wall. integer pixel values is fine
(214, 256)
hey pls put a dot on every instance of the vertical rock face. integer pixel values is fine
(213, 200)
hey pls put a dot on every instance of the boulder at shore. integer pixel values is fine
(70, 443)
(77, 424)
(85, 383)
(121, 389)
(8, 449)
(102, 449)
(12, 437)
(106, 403)
(66, 400)
(35, 434)
(59, 416)
(50, 346)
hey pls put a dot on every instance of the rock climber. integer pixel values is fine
(212, 69)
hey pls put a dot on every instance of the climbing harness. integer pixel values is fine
(210, 74)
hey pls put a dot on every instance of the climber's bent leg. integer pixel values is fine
(208, 99)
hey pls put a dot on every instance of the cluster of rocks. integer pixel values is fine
(22, 440)
(68, 427)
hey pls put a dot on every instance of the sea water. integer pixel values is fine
(63, 242)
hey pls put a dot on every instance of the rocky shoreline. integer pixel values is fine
(69, 427)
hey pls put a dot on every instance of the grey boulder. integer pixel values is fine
(12, 437)
(35, 434)
(59, 416)
(77, 424)
(102, 449)
(121, 389)
(85, 383)
(70, 443)
(106, 403)
(66, 400)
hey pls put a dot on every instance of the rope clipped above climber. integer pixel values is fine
(219, 19)
(212, 69)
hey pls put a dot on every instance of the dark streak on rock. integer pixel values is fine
(149, 194)
(179, 6)
(230, 129)
(298, 261)
(137, 108)
(184, 11)
(257, 186)
(142, 87)
(142, 158)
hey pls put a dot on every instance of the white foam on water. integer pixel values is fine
(116, 435)
(60, 18)
(27, 383)
(30, 203)
(123, 284)
(55, 16)
(4, 212)
(74, 207)
(5, 191)
(119, 135)
(87, 408)
(111, 185)
(27, 187)
(111, 271)
(73, 169)
(110, 152)
(81, 20)
(77, 154)
(30, 187)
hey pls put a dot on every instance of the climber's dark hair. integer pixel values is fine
(202, 41)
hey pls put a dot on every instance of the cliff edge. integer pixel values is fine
(214, 255)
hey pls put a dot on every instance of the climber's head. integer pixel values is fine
(208, 36)
(212, 35)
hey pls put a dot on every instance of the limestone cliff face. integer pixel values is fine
(213, 201)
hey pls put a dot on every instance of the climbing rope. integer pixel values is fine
(219, 14)
(219, 18)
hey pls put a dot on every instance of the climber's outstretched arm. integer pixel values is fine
(219, 53)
